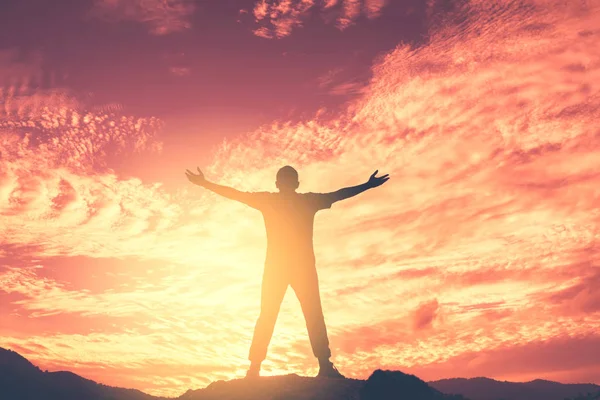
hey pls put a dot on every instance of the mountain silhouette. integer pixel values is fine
(489, 389)
(21, 380)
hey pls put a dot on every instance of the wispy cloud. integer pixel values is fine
(336, 83)
(180, 71)
(162, 16)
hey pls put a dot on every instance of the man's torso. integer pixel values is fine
(289, 222)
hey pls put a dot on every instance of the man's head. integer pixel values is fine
(287, 179)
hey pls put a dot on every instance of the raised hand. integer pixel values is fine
(377, 181)
(195, 179)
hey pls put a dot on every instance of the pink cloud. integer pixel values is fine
(180, 71)
(582, 297)
(263, 32)
(347, 88)
(351, 10)
(278, 18)
(335, 83)
(373, 8)
(425, 314)
(163, 17)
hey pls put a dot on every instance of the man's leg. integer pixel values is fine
(274, 286)
(306, 286)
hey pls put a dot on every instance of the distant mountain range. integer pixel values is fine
(21, 380)
(489, 389)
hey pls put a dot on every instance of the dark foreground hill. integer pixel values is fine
(381, 385)
(489, 389)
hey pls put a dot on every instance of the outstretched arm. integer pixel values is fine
(351, 191)
(224, 191)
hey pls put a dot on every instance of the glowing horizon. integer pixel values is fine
(478, 258)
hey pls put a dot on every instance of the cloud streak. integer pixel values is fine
(162, 16)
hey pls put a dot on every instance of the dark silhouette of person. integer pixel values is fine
(290, 259)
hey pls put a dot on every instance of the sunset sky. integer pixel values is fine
(480, 257)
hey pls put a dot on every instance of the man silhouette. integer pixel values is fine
(290, 260)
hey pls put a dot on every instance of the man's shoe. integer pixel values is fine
(328, 370)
